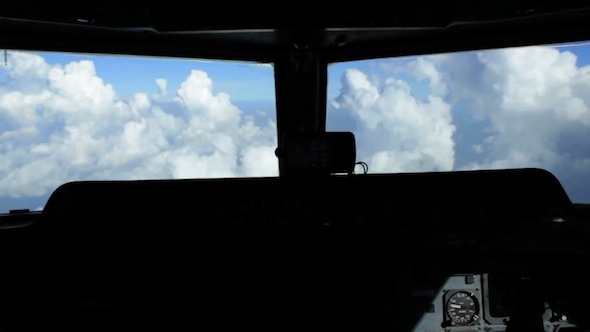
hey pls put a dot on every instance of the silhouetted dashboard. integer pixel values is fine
(457, 251)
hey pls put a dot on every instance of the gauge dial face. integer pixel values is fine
(462, 308)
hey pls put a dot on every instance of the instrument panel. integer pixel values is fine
(488, 302)
(462, 307)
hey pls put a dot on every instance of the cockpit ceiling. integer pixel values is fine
(175, 15)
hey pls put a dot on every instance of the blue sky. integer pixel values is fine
(68, 117)
(130, 74)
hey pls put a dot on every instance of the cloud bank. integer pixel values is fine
(65, 123)
(508, 108)
(397, 131)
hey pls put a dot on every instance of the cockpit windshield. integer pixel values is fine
(70, 117)
(488, 109)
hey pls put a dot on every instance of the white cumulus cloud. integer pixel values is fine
(505, 108)
(534, 99)
(69, 124)
(395, 131)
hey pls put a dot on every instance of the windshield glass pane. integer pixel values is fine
(489, 109)
(68, 117)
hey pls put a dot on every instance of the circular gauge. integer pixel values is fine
(462, 308)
